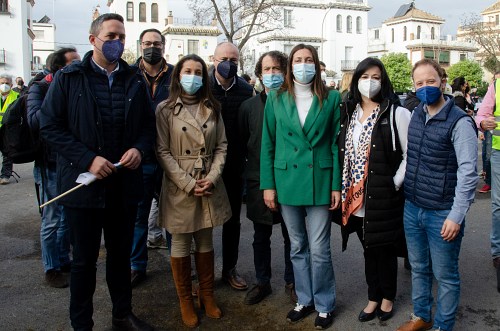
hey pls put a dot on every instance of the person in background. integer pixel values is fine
(322, 67)
(95, 120)
(156, 73)
(300, 171)
(191, 149)
(439, 185)
(54, 231)
(270, 69)
(345, 84)
(372, 149)
(459, 88)
(20, 87)
(231, 90)
(8, 96)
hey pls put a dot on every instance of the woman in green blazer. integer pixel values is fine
(300, 171)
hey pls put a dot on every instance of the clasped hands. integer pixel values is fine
(101, 167)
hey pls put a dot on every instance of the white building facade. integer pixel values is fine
(44, 42)
(417, 34)
(337, 29)
(181, 36)
(16, 44)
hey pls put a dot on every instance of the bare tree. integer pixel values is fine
(486, 35)
(240, 20)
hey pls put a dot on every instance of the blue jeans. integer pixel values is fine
(54, 231)
(430, 255)
(486, 156)
(311, 256)
(139, 254)
(495, 203)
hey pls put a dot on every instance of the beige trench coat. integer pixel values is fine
(187, 150)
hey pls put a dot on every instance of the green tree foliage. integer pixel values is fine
(470, 70)
(399, 70)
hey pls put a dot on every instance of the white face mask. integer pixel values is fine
(369, 87)
(323, 75)
(4, 88)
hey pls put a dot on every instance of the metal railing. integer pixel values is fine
(346, 65)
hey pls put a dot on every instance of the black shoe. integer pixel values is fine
(298, 313)
(365, 317)
(257, 293)
(324, 322)
(136, 277)
(384, 315)
(55, 278)
(130, 323)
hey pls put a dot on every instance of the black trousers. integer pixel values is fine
(262, 253)
(231, 229)
(381, 267)
(117, 221)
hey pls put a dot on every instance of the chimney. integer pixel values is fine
(170, 18)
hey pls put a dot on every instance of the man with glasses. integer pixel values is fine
(156, 74)
(231, 90)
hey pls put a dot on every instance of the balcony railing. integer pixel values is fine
(2, 56)
(347, 65)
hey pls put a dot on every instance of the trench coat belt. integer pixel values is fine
(199, 164)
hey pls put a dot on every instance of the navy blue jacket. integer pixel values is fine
(431, 164)
(70, 121)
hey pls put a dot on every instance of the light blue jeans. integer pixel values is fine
(309, 230)
(429, 256)
(495, 203)
(54, 232)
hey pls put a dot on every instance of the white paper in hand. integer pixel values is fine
(86, 178)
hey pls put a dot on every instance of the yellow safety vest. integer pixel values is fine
(495, 142)
(11, 97)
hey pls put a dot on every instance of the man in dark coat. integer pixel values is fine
(93, 116)
(231, 90)
(270, 69)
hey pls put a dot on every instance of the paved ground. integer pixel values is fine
(26, 303)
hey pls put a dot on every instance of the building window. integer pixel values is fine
(154, 12)
(339, 23)
(287, 18)
(432, 33)
(4, 6)
(463, 57)
(429, 54)
(39, 34)
(287, 48)
(142, 12)
(444, 57)
(419, 30)
(392, 35)
(130, 11)
(349, 24)
(405, 30)
(497, 19)
(377, 34)
(359, 25)
(193, 46)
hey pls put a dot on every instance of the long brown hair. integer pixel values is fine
(204, 94)
(318, 88)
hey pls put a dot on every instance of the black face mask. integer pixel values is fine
(152, 55)
(20, 83)
(227, 69)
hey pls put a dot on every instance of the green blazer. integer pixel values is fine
(300, 163)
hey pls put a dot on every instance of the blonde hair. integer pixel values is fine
(345, 83)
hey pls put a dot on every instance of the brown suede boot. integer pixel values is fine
(181, 270)
(205, 269)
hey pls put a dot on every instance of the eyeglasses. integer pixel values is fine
(157, 44)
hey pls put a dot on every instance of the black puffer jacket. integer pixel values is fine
(383, 221)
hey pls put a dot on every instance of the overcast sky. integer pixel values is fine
(72, 17)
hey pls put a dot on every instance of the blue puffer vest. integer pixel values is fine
(431, 169)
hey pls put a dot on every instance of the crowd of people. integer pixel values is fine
(173, 149)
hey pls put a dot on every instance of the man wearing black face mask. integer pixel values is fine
(20, 87)
(156, 74)
(231, 90)
(94, 117)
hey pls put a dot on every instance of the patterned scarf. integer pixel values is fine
(356, 164)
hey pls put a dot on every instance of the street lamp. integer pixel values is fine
(330, 5)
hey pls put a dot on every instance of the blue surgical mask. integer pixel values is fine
(227, 69)
(273, 81)
(304, 72)
(429, 94)
(191, 83)
(112, 49)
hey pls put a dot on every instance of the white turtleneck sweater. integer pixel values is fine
(303, 99)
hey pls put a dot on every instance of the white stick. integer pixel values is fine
(60, 196)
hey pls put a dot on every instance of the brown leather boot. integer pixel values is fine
(205, 269)
(181, 270)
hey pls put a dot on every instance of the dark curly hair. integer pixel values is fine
(278, 56)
